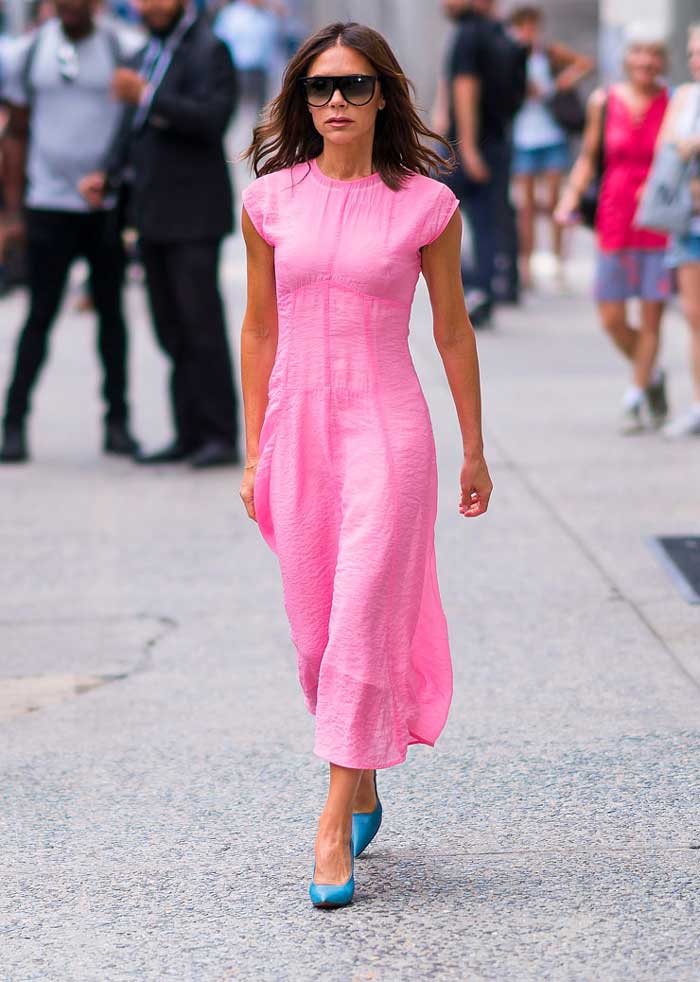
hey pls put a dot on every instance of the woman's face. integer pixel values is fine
(527, 32)
(339, 121)
(644, 64)
(694, 55)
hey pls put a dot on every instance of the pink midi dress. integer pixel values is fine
(346, 485)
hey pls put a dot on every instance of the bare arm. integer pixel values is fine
(258, 348)
(440, 114)
(14, 156)
(467, 91)
(584, 170)
(571, 66)
(454, 337)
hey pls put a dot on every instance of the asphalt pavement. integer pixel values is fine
(158, 794)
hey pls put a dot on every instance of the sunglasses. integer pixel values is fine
(358, 90)
(68, 64)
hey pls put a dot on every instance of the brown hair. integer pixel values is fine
(287, 135)
(525, 15)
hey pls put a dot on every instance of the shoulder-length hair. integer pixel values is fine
(287, 135)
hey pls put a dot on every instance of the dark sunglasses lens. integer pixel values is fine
(358, 91)
(318, 91)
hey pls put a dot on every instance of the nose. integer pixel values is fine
(337, 99)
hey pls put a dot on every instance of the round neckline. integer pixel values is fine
(334, 182)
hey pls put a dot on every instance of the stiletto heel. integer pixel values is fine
(330, 895)
(365, 825)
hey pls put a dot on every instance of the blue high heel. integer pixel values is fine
(365, 825)
(330, 895)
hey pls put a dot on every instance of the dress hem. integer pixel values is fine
(374, 766)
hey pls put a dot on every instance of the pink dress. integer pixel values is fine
(346, 485)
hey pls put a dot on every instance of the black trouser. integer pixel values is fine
(188, 316)
(492, 223)
(54, 240)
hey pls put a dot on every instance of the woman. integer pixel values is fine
(627, 119)
(541, 151)
(682, 127)
(340, 471)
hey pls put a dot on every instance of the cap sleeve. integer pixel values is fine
(440, 207)
(259, 204)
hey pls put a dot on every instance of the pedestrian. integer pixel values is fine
(180, 95)
(251, 29)
(486, 87)
(340, 472)
(61, 121)
(540, 142)
(622, 127)
(682, 127)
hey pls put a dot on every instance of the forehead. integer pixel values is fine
(649, 50)
(340, 60)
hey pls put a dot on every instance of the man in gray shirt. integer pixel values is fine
(62, 121)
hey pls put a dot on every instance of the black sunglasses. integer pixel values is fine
(358, 90)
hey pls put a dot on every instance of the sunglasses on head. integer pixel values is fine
(68, 63)
(358, 90)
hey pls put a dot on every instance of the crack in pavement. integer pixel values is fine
(21, 695)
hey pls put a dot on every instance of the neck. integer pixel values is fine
(347, 163)
(78, 31)
(645, 91)
(165, 31)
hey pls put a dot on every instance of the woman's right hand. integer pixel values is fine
(247, 485)
(565, 211)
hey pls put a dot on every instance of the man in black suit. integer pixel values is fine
(169, 157)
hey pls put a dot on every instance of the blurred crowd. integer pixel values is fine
(113, 125)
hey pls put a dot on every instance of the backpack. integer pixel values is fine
(107, 32)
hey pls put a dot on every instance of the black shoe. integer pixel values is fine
(215, 453)
(174, 453)
(480, 316)
(479, 306)
(118, 440)
(14, 445)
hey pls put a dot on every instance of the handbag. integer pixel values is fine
(568, 110)
(588, 205)
(666, 204)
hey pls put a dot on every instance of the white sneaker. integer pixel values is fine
(686, 425)
(631, 422)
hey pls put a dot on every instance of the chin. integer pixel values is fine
(341, 139)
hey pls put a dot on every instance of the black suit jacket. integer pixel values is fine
(179, 186)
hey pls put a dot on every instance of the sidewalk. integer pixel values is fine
(159, 825)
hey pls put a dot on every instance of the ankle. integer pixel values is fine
(334, 829)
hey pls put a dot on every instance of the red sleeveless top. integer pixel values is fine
(629, 151)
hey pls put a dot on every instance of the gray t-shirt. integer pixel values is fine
(72, 122)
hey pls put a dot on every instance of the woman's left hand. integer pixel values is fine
(476, 487)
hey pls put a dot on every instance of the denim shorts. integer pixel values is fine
(538, 160)
(683, 249)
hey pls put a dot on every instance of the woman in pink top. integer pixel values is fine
(340, 472)
(625, 120)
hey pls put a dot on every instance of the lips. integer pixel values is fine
(338, 121)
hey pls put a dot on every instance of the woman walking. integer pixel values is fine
(541, 150)
(626, 120)
(340, 471)
(682, 127)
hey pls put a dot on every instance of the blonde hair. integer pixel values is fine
(693, 28)
(646, 34)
